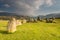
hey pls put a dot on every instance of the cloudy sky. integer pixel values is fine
(30, 7)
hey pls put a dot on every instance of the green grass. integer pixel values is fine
(32, 31)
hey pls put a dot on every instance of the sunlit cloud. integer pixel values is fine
(50, 2)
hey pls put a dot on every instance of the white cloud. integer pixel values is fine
(50, 2)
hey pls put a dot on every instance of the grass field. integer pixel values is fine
(32, 31)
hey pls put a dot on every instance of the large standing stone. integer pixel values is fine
(11, 25)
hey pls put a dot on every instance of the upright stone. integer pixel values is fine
(18, 22)
(11, 25)
(24, 21)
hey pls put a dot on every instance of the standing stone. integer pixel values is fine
(18, 22)
(24, 21)
(50, 20)
(35, 20)
(47, 20)
(38, 18)
(11, 25)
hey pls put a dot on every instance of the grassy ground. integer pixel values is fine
(32, 31)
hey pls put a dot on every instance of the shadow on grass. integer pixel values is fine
(3, 32)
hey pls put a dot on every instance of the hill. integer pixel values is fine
(56, 15)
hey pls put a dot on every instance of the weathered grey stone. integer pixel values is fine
(11, 28)
(50, 20)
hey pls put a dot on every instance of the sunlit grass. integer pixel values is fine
(32, 31)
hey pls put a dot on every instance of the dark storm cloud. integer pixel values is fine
(26, 7)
